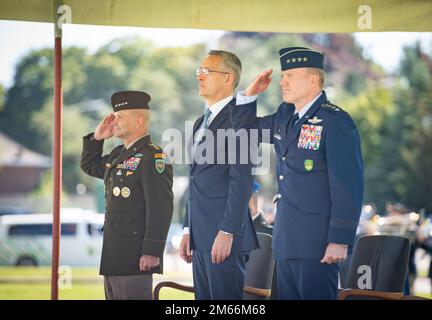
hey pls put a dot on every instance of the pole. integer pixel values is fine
(57, 152)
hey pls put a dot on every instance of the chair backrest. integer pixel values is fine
(259, 268)
(379, 263)
(343, 271)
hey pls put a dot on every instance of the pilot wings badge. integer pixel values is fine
(315, 120)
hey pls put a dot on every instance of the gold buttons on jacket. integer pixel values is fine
(116, 191)
(125, 191)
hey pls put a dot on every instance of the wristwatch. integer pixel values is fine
(227, 233)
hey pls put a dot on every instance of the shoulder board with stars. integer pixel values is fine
(154, 147)
(329, 106)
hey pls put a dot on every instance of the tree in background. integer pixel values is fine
(32, 86)
(412, 130)
(2, 96)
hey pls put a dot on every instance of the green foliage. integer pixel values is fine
(354, 83)
(413, 129)
(2, 96)
(32, 86)
(373, 111)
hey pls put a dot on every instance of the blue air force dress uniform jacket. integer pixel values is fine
(139, 202)
(320, 176)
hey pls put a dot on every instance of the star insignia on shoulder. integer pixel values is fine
(331, 106)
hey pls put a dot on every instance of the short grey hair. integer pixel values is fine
(231, 62)
(320, 73)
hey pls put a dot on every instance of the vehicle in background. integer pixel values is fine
(26, 239)
(13, 210)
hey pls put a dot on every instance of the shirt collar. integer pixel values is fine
(133, 142)
(217, 107)
(307, 106)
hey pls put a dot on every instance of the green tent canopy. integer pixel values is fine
(238, 15)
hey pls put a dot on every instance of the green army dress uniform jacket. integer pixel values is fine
(139, 202)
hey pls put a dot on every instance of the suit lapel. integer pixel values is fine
(196, 126)
(221, 117)
(214, 125)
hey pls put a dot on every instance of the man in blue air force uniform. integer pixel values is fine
(218, 232)
(319, 173)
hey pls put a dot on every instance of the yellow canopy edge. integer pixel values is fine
(239, 15)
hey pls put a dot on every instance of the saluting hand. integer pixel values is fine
(259, 84)
(335, 253)
(185, 251)
(147, 263)
(105, 129)
(221, 247)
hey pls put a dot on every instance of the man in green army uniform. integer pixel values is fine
(138, 193)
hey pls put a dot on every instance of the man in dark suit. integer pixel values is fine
(218, 229)
(138, 193)
(320, 175)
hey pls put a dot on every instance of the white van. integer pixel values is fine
(26, 239)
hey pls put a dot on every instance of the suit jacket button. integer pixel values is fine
(283, 158)
(191, 178)
(279, 196)
(281, 177)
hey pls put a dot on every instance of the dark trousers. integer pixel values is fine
(224, 281)
(306, 279)
(138, 287)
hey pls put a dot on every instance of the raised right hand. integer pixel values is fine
(105, 129)
(259, 84)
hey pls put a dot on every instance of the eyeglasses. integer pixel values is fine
(206, 71)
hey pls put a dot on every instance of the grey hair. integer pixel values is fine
(320, 73)
(230, 61)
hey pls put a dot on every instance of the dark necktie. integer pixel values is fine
(203, 126)
(294, 120)
(207, 115)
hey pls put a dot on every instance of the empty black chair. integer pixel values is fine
(258, 276)
(259, 270)
(378, 268)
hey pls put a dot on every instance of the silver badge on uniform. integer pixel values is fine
(119, 173)
(315, 120)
